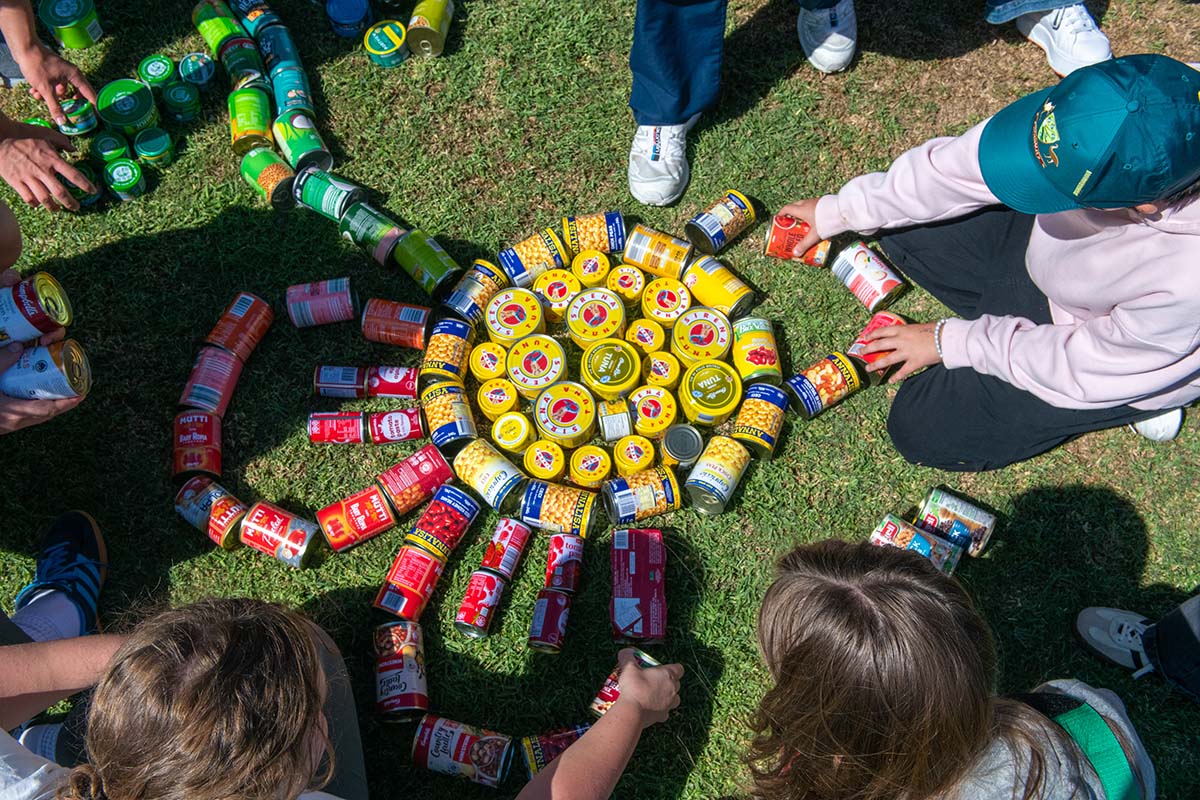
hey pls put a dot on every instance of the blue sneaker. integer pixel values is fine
(73, 560)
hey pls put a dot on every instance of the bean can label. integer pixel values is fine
(395, 323)
(243, 325)
(638, 610)
(444, 521)
(871, 279)
(711, 482)
(755, 353)
(701, 333)
(279, 533)
(959, 520)
(557, 508)
(197, 443)
(785, 233)
(564, 564)
(479, 604)
(535, 362)
(565, 413)
(402, 425)
(401, 688)
(760, 419)
(506, 547)
(548, 630)
(611, 690)
(336, 427)
(883, 319)
(357, 518)
(211, 509)
(414, 480)
(452, 748)
(895, 532)
(825, 383)
(665, 300)
(492, 476)
(720, 223)
(593, 315)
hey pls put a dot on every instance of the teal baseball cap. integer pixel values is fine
(1112, 135)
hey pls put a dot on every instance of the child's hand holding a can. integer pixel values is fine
(913, 346)
(806, 212)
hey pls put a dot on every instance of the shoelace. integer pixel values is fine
(1128, 635)
(1074, 19)
(58, 560)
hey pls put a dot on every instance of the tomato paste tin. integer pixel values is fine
(564, 564)
(57, 371)
(603, 232)
(895, 532)
(541, 749)
(410, 583)
(348, 18)
(611, 368)
(699, 334)
(448, 350)
(448, 414)
(514, 314)
(414, 480)
(646, 494)
(256, 16)
(565, 413)
(292, 91)
(452, 748)
(197, 70)
(73, 22)
(444, 521)
(326, 194)
(401, 690)
(720, 223)
(249, 119)
(373, 231)
(127, 106)
(534, 363)
(712, 480)
(385, 43)
(270, 529)
(214, 376)
(399, 324)
(638, 609)
(242, 326)
(32, 307)
(760, 419)
(590, 268)
(507, 545)
(647, 336)
(329, 381)
(654, 411)
(825, 383)
(709, 392)
(661, 369)
(479, 604)
(492, 476)
(268, 175)
(496, 398)
(883, 319)
(755, 354)
(590, 466)
(871, 279)
(513, 432)
(633, 454)
(627, 283)
(960, 521)
(396, 382)
(681, 447)
(361, 516)
(429, 26)
(419, 255)
(665, 300)
(785, 233)
(556, 288)
(197, 443)
(556, 508)
(545, 460)
(337, 427)
(475, 289)
(657, 253)
(593, 315)
(610, 691)
(210, 508)
(401, 425)
(299, 141)
(125, 179)
(321, 303)
(527, 259)
(714, 285)
(487, 361)
(548, 630)
(616, 422)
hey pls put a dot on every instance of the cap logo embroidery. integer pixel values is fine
(1045, 135)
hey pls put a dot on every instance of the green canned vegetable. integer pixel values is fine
(108, 146)
(156, 71)
(85, 197)
(198, 70)
(427, 263)
(127, 106)
(124, 177)
(216, 23)
(297, 138)
(81, 117)
(74, 22)
(385, 43)
(325, 193)
(181, 102)
(249, 119)
(372, 230)
(269, 175)
(153, 146)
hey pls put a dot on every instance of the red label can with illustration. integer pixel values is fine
(549, 627)
(243, 325)
(211, 509)
(444, 521)
(884, 319)
(336, 427)
(415, 479)
(865, 273)
(197, 443)
(564, 565)
(355, 519)
(507, 545)
(785, 233)
(410, 582)
(279, 533)
(479, 604)
(395, 426)
(214, 376)
(398, 382)
(401, 688)
(452, 748)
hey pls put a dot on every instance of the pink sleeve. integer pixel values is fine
(934, 181)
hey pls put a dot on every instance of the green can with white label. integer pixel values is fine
(181, 102)
(326, 194)
(427, 263)
(372, 230)
(299, 141)
(125, 179)
(156, 71)
(249, 119)
(108, 146)
(128, 106)
(264, 170)
(74, 22)
(154, 147)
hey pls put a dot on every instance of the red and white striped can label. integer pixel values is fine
(401, 688)
(340, 381)
(400, 382)
(243, 325)
(214, 377)
(355, 519)
(320, 303)
(507, 545)
(279, 533)
(480, 601)
(336, 427)
(395, 426)
(564, 564)
(197, 443)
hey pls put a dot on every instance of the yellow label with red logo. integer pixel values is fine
(565, 414)
(513, 314)
(557, 288)
(664, 300)
(633, 454)
(654, 411)
(647, 336)
(497, 397)
(701, 333)
(593, 315)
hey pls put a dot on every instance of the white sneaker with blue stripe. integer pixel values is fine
(658, 165)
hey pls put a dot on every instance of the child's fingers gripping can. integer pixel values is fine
(557, 508)
(681, 447)
(410, 583)
(529, 258)
(211, 509)
(452, 748)
(326, 194)
(513, 314)
(420, 255)
(355, 519)
(414, 480)
(959, 520)
(590, 268)
(720, 223)
(646, 494)
(548, 631)
(210, 386)
(786, 233)
(249, 119)
(337, 427)
(871, 279)
(893, 531)
(479, 604)
(197, 444)
(564, 563)
(270, 529)
(656, 252)
(268, 175)
(590, 466)
(298, 139)
(400, 324)
(57, 371)
(322, 302)
(492, 476)
(611, 690)
(447, 352)
(401, 425)
(701, 333)
(824, 384)
(665, 300)
(81, 117)
(709, 392)
(603, 232)
(34, 306)
(760, 419)
(86, 198)
(882, 319)
(755, 354)
(713, 479)
(627, 283)
(506, 548)
(401, 688)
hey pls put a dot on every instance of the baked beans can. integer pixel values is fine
(755, 354)
(514, 314)
(447, 352)
(401, 687)
(513, 432)
(410, 583)
(355, 519)
(565, 413)
(337, 427)
(479, 604)
(556, 288)
(373, 231)
(593, 315)
(882, 319)
(825, 383)
(489, 474)
(506, 548)
(444, 521)
(321, 303)
(401, 425)
(414, 480)
(400, 324)
(614, 419)
(242, 326)
(325, 193)
(197, 443)
(590, 466)
(57, 371)
(211, 509)
(292, 91)
(632, 454)
(654, 411)
(722, 222)
(627, 283)
(701, 333)
(960, 521)
(429, 26)
(638, 610)
(448, 415)
(662, 369)
(611, 368)
(590, 268)
(603, 232)
(785, 233)
(526, 260)
(681, 447)
(665, 300)
(647, 336)
(270, 529)
(714, 285)
(452, 748)
(469, 298)
(548, 630)
(249, 113)
(487, 361)
(541, 749)
(871, 279)
(545, 460)
(656, 252)
(214, 376)
(420, 255)
(556, 508)
(641, 496)
(760, 419)
(386, 44)
(32, 307)
(497, 397)
(535, 362)
(330, 381)
(611, 689)
(269, 175)
(398, 382)
(892, 531)
(709, 392)
(299, 141)
(711, 482)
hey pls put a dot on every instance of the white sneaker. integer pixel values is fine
(1115, 636)
(658, 166)
(1068, 35)
(1162, 428)
(829, 36)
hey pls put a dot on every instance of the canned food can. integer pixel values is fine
(548, 630)
(627, 283)
(657, 253)
(529, 258)
(337, 427)
(868, 277)
(496, 398)
(214, 376)
(883, 319)
(292, 91)
(479, 604)
(256, 17)
(398, 382)
(216, 23)
(593, 315)
(556, 508)
(616, 422)
(448, 414)
(893, 531)
(646, 494)
(564, 563)
(401, 690)
(410, 583)
(429, 25)
(785, 233)
(681, 446)
(464, 751)
(475, 289)
(590, 466)
(348, 18)
(198, 70)
(386, 44)
(329, 196)
(197, 444)
(711, 482)
(721, 223)
(244, 65)
(298, 139)
(654, 411)
(556, 288)
(535, 362)
(590, 268)
(41, 122)
(156, 71)
(249, 119)
(647, 336)
(277, 47)
(447, 352)
(545, 460)
(505, 549)
(957, 519)
(85, 197)
(665, 300)
(414, 480)
(565, 413)
(211, 509)
(270, 529)
(541, 749)
(633, 454)
(181, 101)
(108, 146)
(81, 117)
(709, 392)
(760, 419)
(700, 334)
(611, 368)
(714, 285)
(513, 314)
(638, 609)
(488, 361)
(73, 22)
(662, 370)
(489, 474)
(321, 302)
(125, 179)
(355, 519)
(825, 383)
(268, 175)
(755, 354)
(603, 232)
(611, 689)
(348, 382)
(513, 432)
(34, 306)
(401, 425)
(444, 521)
(389, 322)
(154, 147)
(419, 255)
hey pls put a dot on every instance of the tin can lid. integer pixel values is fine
(122, 174)
(662, 369)
(183, 96)
(76, 106)
(197, 69)
(347, 12)
(109, 145)
(565, 411)
(50, 292)
(683, 442)
(712, 387)
(488, 361)
(655, 410)
(627, 281)
(156, 69)
(64, 13)
(152, 142)
(647, 335)
(591, 267)
(75, 366)
(385, 38)
(535, 362)
(497, 396)
(664, 300)
(544, 460)
(513, 313)
(701, 333)
(557, 288)
(512, 431)
(124, 101)
(611, 366)
(591, 462)
(634, 452)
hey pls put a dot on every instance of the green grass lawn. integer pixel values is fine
(525, 119)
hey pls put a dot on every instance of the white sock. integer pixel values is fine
(49, 615)
(41, 740)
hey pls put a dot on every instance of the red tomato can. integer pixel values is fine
(564, 564)
(279, 533)
(340, 381)
(611, 689)
(506, 548)
(415, 479)
(321, 303)
(401, 689)
(399, 382)
(549, 627)
(197, 443)
(452, 748)
(479, 604)
(361, 516)
(444, 521)
(395, 323)
(785, 233)
(883, 319)
(242, 326)
(410, 582)
(395, 426)
(336, 427)
(214, 377)
(211, 509)
(639, 603)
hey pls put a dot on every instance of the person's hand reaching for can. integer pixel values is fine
(806, 211)
(912, 346)
(51, 77)
(31, 162)
(652, 691)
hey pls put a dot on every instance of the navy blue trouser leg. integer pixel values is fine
(1173, 647)
(676, 59)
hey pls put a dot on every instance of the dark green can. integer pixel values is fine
(427, 263)
(108, 146)
(242, 62)
(326, 194)
(372, 230)
(85, 197)
(181, 102)
(154, 147)
(299, 141)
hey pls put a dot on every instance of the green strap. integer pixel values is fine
(1099, 744)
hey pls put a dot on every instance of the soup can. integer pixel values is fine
(556, 508)
(386, 44)
(197, 70)
(292, 91)
(268, 175)
(154, 147)
(127, 106)
(401, 689)
(541, 749)
(722, 222)
(73, 22)
(57, 371)
(960, 521)
(210, 386)
(654, 411)
(714, 285)
(701, 334)
(125, 179)
(475, 289)
(211, 509)
(181, 101)
(535, 362)
(556, 288)
(429, 25)
(492, 476)
(513, 432)
(633, 454)
(249, 119)
(479, 604)
(662, 370)
(657, 253)
(548, 630)
(712, 480)
(444, 521)
(448, 414)
(337, 427)
(108, 145)
(665, 300)
(611, 689)
(590, 466)
(590, 268)
(893, 531)
(647, 336)
(299, 141)
(709, 392)
(414, 480)
(335, 381)
(32, 307)
(197, 448)
(871, 279)
(506, 548)
(825, 383)
(355, 519)
(452, 748)
(594, 315)
(256, 17)
(545, 460)
(321, 303)
(326, 194)
(564, 563)
(755, 354)
(529, 258)
(496, 398)
(627, 283)
(614, 419)
(156, 71)
(419, 255)
(410, 583)
(603, 232)
(270, 529)
(400, 324)
(760, 419)
(81, 117)
(513, 314)
(565, 413)
(646, 494)
(785, 233)
(447, 352)
(611, 368)
(882, 319)
(488, 361)
(278, 49)
(399, 382)
(402, 425)
(348, 18)
(681, 446)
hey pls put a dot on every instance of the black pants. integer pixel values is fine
(960, 419)
(1173, 647)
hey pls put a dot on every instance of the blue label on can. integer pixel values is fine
(255, 15)
(513, 267)
(464, 305)
(768, 393)
(531, 503)
(452, 327)
(348, 18)
(454, 431)
(958, 534)
(457, 499)
(616, 230)
(807, 394)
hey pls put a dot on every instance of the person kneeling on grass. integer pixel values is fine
(1079, 302)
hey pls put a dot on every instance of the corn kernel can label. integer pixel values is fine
(528, 259)
(492, 476)
(603, 231)
(448, 415)
(475, 289)
(642, 495)
(711, 482)
(514, 314)
(593, 315)
(656, 252)
(565, 413)
(760, 419)
(448, 350)
(611, 368)
(535, 362)
(555, 508)
(654, 411)
(701, 333)
(755, 353)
